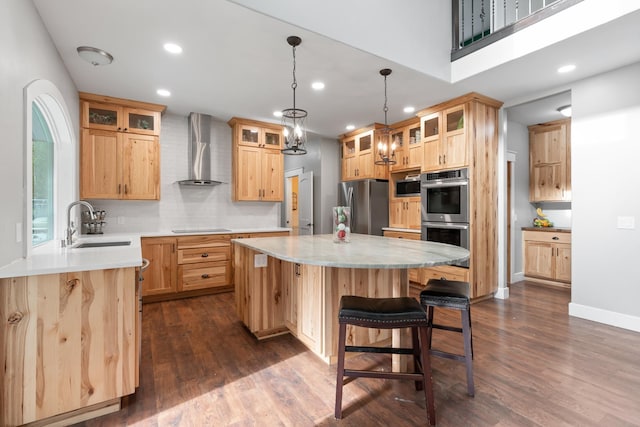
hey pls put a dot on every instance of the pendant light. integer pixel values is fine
(295, 135)
(386, 149)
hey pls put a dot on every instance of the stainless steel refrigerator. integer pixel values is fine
(369, 203)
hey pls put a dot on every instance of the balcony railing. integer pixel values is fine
(478, 23)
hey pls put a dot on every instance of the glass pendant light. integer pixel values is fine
(295, 135)
(386, 149)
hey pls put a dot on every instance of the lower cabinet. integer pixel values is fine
(547, 256)
(187, 266)
(69, 343)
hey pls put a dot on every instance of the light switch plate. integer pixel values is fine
(260, 260)
(627, 222)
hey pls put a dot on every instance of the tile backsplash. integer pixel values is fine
(189, 206)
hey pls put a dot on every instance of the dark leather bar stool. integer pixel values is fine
(386, 313)
(452, 295)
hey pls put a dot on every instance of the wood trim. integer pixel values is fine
(356, 132)
(236, 121)
(471, 96)
(84, 96)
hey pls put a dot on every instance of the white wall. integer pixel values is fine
(189, 206)
(27, 54)
(605, 152)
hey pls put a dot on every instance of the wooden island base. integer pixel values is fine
(303, 299)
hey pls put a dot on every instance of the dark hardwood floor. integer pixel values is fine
(534, 366)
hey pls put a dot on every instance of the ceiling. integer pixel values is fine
(236, 62)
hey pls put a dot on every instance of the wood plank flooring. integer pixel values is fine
(534, 366)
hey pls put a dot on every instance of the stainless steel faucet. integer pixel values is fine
(70, 227)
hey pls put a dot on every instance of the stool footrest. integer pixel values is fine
(447, 355)
(447, 328)
(370, 349)
(383, 374)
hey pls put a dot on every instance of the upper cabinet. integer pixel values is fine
(409, 146)
(444, 137)
(119, 148)
(550, 161)
(359, 154)
(258, 163)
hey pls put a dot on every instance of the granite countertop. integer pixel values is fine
(50, 258)
(364, 251)
(550, 229)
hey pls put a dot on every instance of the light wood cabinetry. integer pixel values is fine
(359, 154)
(445, 138)
(404, 212)
(68, 343)
(463, 132)
(547, 256)
(414, 273)
(119, 148)
(204, 262)
(192, 265)
(160, 278)
(258, 164)
(550, 161)
(409, 145)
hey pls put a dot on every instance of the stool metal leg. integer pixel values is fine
(340, 369)
(468, 350)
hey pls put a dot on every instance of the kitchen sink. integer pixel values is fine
(101, 244)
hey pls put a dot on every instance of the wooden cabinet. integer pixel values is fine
(404, 212)
(550, 161)
(204, 262)
(68, 343)
(409, 146)
(547, 256)
(160, 278)
(359, 155)
(258, 164)
(444, 139)
(119, 148)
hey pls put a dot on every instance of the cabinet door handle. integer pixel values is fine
(125, 189)
(119, 188)
(439, 159)
(555, 238)
(205, 276)
(204, 255)
(444, 159)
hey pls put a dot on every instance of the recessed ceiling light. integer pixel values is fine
(172, 48)
(317, 85)
(94, 56)
(277, 113)
(163, 92)
(565, 110)
(566, 68)
(350, 127)
(409, 109)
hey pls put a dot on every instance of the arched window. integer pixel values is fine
(42, 225)
(50, 164)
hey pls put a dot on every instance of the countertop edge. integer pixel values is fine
(547, 229)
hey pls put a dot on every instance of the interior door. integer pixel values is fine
(305, 203)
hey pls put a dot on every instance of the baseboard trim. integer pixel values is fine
(607, 317)
(502, 293)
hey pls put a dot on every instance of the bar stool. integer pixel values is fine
(452, 295)
(386, 313)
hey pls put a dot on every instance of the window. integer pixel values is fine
(50, 164)
(42, 224)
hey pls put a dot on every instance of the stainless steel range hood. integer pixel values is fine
(199, 151)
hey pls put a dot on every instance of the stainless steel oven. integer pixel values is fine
(445, 196)
(445, 208)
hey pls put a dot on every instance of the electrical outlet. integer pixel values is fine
(260, 260)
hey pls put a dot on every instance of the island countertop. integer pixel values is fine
(363, 251)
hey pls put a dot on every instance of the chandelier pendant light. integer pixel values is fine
(295, 134)
(386, 149)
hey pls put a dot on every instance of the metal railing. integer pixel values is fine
(477, 23)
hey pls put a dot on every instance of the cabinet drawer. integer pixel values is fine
(402, 235)
(206, 241)
(546, 236)
(204, 275)
(447, 272)
(206, 254)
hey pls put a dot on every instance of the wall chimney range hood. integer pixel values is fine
(199, 151)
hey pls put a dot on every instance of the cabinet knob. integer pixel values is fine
(205, 276)
(204, 255)
(555, 238)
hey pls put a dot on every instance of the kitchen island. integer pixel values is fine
(294, 284)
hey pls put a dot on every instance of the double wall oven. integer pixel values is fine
(445, 207)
